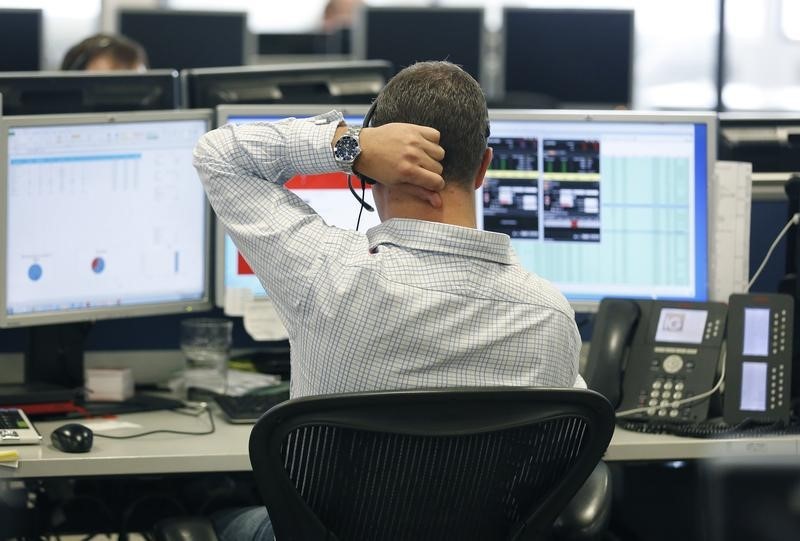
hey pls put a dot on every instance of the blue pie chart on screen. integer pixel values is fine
(35, 272)
(98, 264)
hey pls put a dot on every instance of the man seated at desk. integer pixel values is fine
(422, 300)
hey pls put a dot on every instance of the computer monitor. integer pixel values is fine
(405, 35)
(179, 39)
(20, 39)
(604, 204)
(577, 57)
(103, 217)
(325, 83)
(327, 194)
(52, 92)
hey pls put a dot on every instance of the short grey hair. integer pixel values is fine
(442, 96)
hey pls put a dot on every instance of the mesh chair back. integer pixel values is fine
(478, 464)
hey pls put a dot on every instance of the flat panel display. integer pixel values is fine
(604, 204)
(575, 56)
(103, 216)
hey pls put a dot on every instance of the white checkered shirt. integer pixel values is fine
(411, 304)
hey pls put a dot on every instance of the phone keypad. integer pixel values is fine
(664, 398)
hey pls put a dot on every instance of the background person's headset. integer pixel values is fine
(82, 59)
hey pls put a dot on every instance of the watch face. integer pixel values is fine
(347, 149)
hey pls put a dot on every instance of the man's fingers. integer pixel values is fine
(431, 164)
(431, 134)
(433, 150)
(433, 198)
(428, 179)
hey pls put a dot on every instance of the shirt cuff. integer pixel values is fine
(310, 150)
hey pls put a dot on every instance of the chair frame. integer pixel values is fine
(429, 412)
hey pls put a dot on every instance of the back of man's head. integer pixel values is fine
(442, 96)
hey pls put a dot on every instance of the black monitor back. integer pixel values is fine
(575, 57)
(49, 92)
(20, 39)
(314, 83)
(188, 39)
(770, 141)
(408, 35)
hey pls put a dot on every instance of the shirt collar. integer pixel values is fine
(444, 238)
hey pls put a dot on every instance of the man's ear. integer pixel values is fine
(487, 159)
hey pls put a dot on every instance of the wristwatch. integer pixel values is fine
(347, 149)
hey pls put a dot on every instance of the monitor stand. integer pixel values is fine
(53, 366)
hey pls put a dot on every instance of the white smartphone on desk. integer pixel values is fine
(16, 428)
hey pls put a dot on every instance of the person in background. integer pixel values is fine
(106, 52)
(339, 14)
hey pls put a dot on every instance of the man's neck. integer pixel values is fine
(458, 208)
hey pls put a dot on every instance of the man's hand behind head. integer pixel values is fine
(399, 153)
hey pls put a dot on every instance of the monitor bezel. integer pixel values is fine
(709, 119)
(44, 318)
(224, 112)
(503, 45)
(358, 37)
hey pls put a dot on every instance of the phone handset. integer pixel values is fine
(759, 358)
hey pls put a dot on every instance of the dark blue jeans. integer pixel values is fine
(243, 524)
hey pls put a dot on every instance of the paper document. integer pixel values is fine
(729, 229)
(261, 321)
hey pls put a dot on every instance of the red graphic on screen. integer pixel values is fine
(242, 267)
(327, 181)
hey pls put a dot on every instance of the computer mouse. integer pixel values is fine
(72, 438)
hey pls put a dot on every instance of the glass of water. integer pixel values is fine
(206, 342)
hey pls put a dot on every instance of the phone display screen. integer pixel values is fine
(681, 326)
(756, 332)
(754, 386)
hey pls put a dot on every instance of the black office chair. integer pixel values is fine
(483, 464)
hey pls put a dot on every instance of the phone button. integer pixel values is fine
(672, 364)
(679, 386)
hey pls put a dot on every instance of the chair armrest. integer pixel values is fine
(588, 513)
(184, 529)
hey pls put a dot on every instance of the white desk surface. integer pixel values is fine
(227, 449)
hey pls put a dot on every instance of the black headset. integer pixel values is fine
(364, 178)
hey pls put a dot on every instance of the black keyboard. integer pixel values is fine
(249, 407)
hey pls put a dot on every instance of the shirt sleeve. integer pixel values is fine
(243, 169)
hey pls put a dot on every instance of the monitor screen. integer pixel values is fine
(55, 92)
(328, 194)
(103, 216)
(188, 39)
(325, 83)
(20, 39)
(604, 204)
(573, 56)
(408, 35)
